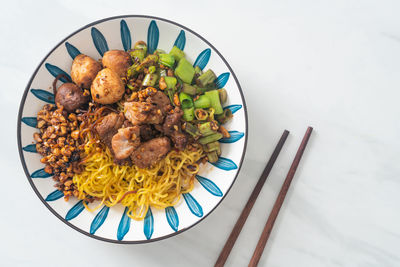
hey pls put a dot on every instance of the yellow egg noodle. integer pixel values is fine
(159, 186)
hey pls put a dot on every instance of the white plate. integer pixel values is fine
(212, 183)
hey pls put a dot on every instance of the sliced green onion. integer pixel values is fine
(177, 53)
(170, 81)
(138, 55)
(210, 147)
(131, 71)
(188, 89)
(200, 91)
(166, 60)
(171, 92)
(188, 114)
(210, 138)
(198, 71)
(225, 116)
(150, 79)
(148, 61)
(212, 157)
(219, 151)
(223, 95)
(186, 101)
(202, 102)
(159, 51)
(200, 114)
(152, 69)
(151, 59)
(192, 130)
(213, 95)
(185, 71)
(211, 112)
(140, 45)
(205, 129)
(206, 79)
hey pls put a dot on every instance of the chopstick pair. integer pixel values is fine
(253, 197)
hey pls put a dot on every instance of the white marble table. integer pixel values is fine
(331, 64)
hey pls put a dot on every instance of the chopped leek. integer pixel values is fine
(202, 102)
(210, 138)
(166, 60)
(213, 95)
(185, 71)
(188, 114)
(186, 101)
(177, 53)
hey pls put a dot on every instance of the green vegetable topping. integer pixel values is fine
(212, 157)
(166, 60)
(210, 138)
(192, 130)
(205, 129)
(186, 101)
(150, 79)
(188, 114)
(213, 95)
(188, 89)
(200, 114)
(223, 95)
(177, 53)
(170, 81)
(185, 71)
(202, 102)
(206, 79)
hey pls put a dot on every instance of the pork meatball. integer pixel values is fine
(117, 60)
(107, 87)
(83, 71)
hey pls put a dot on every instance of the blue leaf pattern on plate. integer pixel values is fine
(57, 194)
(193, 205)
(55, 71)
(225, 164)
(30, 121)
(203, 58)
(209, 185)
(172, 218)
(152, 37)
(43, 95)
(124, 225)
(40, 174)
(99, 220)
(234, 108)
(75, 211)
(72, 50)
(99, 41)
(235, 136)
(30, 148)
(222, 80)
(125, 36)
(148, 227)
(180, 40)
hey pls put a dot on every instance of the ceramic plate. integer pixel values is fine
(212, 183)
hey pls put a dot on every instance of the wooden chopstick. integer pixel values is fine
(249, 205)
(279, 200)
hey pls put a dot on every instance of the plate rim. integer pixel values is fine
(19, 123)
